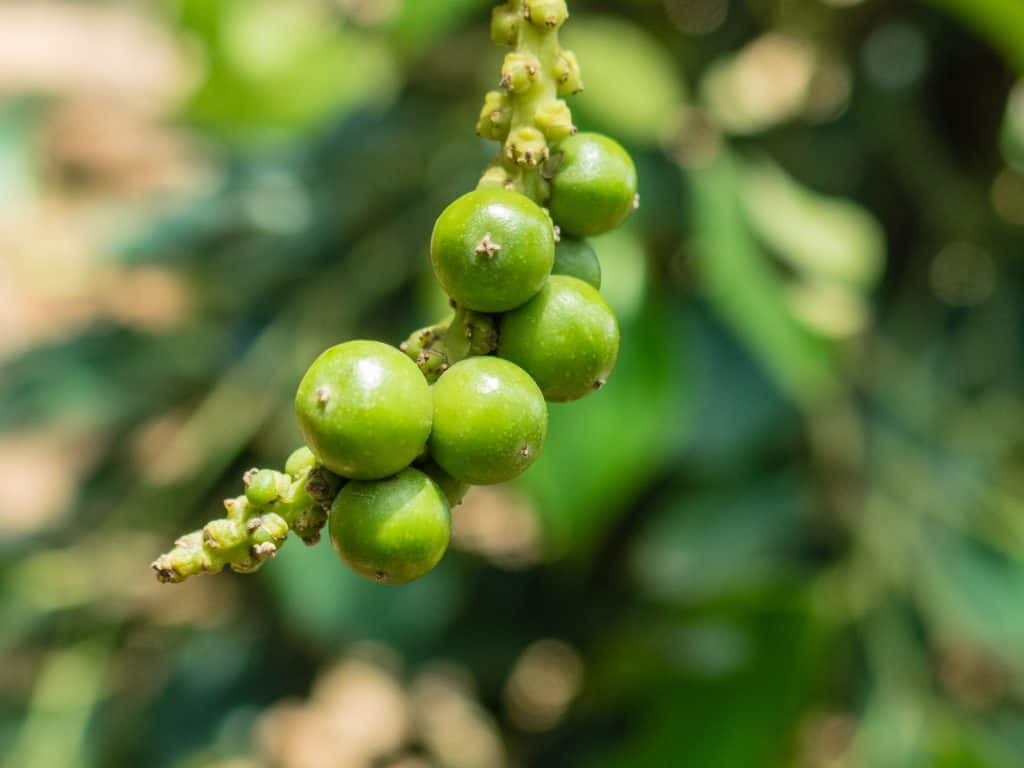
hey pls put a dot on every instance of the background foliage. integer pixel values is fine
(790, 532)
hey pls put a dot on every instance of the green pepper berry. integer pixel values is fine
(594, 189)
(392, 531)
(576, 258)
(364, 409)
(490, 421)
(492, 249)
(566, 338)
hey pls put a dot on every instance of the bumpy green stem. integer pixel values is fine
(256, 524)
(529, 118)
(527, 115)
(438, 347)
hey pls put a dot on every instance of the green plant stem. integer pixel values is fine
(527, 116)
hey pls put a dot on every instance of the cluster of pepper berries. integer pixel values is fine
(395, 436)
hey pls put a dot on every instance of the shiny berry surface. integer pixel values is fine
(566, 338)
(364, 409)
(595, 187)
(393, 530)
(492, 249)
(490, 421)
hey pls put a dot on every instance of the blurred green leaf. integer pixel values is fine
(824, 239)
(705, 545)
(419, 23)
(722, 689)
(322, 601)
(633, 89)
(742, 286)
(1012, 135)
(1001, 22)
(969, 587)
(69, 688)
(274, 69)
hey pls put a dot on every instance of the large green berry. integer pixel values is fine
(364, 409)
(393, 530)
(576, 258)
(490, 421)
(566, 338)
(594, 189)
(492, 249)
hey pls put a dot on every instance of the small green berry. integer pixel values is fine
(391, 531)
(492, 249)
(566, 338)
(490, 421)
(364, 409)
(594, 189)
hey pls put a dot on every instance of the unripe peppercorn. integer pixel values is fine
(595, 187)
(490, 421)
(566, 338)
(492, 249)
(364, 409)
(391, 531)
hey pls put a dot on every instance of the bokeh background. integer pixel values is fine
(789, 533)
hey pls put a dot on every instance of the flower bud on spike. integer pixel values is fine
(263, 487)
(519, 72)
(505, 21)
(272, 528)
(256, 528)
(223, 534)
(495, 117)
(567, 73)
(301, 459)
(495, 177)
(555, 120)
(526, 146)
(549, 14)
